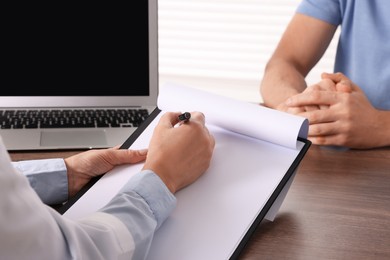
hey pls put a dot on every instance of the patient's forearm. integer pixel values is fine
(280, 81)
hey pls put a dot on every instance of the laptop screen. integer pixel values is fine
(98, 49)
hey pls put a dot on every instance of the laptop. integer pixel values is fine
(79, 77)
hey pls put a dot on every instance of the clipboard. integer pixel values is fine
(216, 215)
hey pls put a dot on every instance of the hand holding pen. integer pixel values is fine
(180, 154)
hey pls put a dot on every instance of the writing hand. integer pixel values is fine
(180, 155)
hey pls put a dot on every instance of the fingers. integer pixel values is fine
(324, 84)
(321, 95)
(323, 129)
(115, 147)
(137, 155)
(320, 116)
(334, 140)
(123, 156)
(170, 119)
(335, 77)
(312, 98)
(326, 133)
(295, 110)
(308, 99)
(311, 108)
(182, 152)
(343, 83)
(199, 117)
(344, 86)
(291, 110)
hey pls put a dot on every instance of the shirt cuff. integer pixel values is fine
(153, 190)
(48, 177)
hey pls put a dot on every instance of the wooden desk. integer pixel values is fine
(338, 207)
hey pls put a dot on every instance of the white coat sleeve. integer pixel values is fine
(123, 229)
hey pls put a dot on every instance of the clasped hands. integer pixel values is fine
(338, 111)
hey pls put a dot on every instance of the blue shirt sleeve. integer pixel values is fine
(363, 51)
(326, 10)
(48, 177)
(123, 229)
(143, 204)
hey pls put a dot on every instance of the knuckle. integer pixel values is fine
(319, 140)
(316, 130)
(315, 95)
(313, 117)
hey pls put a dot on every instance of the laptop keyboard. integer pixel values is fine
(67, 118)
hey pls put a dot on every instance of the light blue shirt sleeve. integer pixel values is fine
(48, 177)
(124, 228)
(149, 203)
(326, 10)
(363, 52)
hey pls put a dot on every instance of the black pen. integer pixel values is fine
(184, 117)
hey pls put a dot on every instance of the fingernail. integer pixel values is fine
(143, 152)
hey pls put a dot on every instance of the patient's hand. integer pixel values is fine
(344, 116)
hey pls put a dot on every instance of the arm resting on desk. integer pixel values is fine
(106, 234)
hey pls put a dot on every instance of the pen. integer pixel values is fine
(184, 117)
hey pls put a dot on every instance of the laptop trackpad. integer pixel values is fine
(74, 138)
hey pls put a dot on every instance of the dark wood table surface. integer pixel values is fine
(338, 207)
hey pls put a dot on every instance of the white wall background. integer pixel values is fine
(223, 45)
